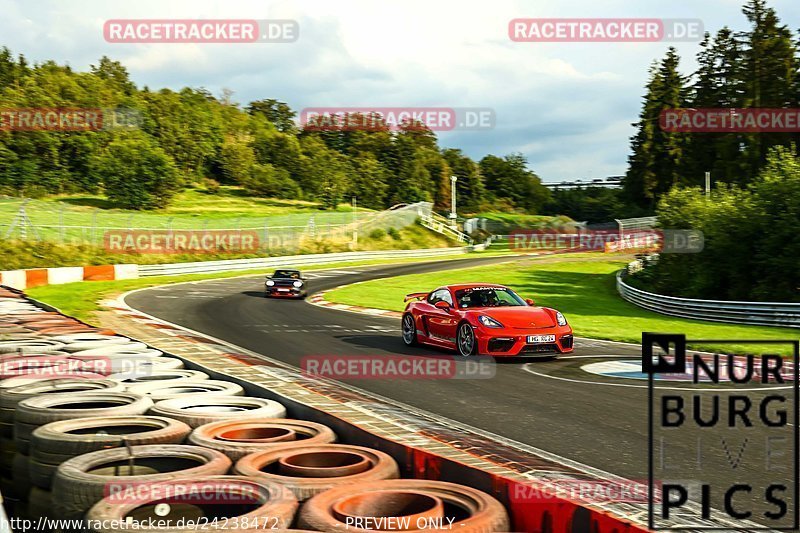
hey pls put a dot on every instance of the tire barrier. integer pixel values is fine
(40, 504)
(37, 411)
(122, 350)
(80, 441)
(239, 438)
(82, 481)
(199, 411)
(21, 476)
(7, 452)
(15, 355)
(193, 389)
(57, 442)
(10, 397)
(414, 502)
(18, 366)
(309, 470)
(158, 378)
(131, 365)
(40, 346)
(261, 505)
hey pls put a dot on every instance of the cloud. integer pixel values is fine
(567, 107)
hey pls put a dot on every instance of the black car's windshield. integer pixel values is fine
(488, 297)
(286, 274)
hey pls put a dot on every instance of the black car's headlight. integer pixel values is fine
(270, 283)
(489, 322)
(560, 319)
(297, 284)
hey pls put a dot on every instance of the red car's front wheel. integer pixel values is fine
(465, 340)
(409, 330)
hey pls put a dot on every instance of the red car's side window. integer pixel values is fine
(440, 295)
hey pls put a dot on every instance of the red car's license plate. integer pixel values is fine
(283, 290)
(541, 339)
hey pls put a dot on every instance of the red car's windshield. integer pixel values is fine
(283, 274)
(487, 297)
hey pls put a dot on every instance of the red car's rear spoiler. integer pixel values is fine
(415, 296)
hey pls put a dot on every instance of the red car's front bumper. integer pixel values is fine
(273, 292)
(497, 343)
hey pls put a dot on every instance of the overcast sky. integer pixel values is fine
(567, 106)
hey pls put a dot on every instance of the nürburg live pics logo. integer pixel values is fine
(723, 445)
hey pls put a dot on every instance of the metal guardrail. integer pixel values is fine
(756, 313)
(204, 267)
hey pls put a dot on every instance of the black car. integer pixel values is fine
(286, 283)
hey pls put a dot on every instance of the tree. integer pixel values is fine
(277, 113)
(590, 204)
(282, 150)
(751, 245)
(136, 173)
(509, 177)
(470, 190)
(266, 180)
(719, 83)
(188, 126)
(326, 173)
(776, 271)
(115, 73)
(236, 160)
(770, 68)
(656, 161)
(369, 181)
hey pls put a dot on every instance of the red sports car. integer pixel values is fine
(482, 319)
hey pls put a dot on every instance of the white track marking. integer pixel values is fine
(526, 368)
(548, 456)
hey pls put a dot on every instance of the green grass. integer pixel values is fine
(81, 299)
(520, 220)
(229, 208)
(582, 287)
(17, 254)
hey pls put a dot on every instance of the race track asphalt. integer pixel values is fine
(556, 406)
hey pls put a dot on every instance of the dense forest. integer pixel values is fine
(750, 218)
(757, 68)
(192, 136)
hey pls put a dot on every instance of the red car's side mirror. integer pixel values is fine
(529, 301)
(441, 304)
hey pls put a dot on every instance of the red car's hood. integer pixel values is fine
(518, 317)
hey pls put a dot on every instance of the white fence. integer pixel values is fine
(204, 267)
(757, 313)
(444, 226)
(61, 222)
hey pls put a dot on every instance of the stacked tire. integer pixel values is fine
(57, 442)
(40, 410)
(89, 417)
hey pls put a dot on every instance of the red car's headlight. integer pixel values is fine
(560, 319)
(489, 322)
